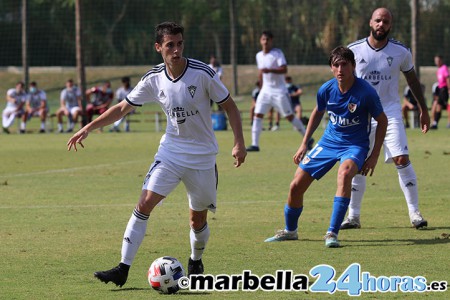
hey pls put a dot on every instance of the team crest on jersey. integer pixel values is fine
(191, 90)
(390, 59)
(352, 107)
(306, 160)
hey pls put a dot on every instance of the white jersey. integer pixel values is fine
(19, 97)
(70, 96)
(122, 92)
(189, 140)
(35, 99)
(272, 82)
(381, 68)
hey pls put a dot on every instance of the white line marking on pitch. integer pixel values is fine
(73, 169)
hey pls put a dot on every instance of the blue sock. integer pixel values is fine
(340, 206)
(291, 216)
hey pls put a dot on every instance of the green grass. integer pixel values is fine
(63, 215)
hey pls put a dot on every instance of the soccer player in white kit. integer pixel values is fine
(272, 67)
(187, 152)
(379, 61)
(15, 104)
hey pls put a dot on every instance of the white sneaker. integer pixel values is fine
(417, 220)
(331, 240)
(275, 128)
(283, 235)
(351, 223)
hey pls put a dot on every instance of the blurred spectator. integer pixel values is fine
(121, 93)
(70, 106)
(215, 65)
(36, 105)
(295, 92)
(409, 104)
(100, 98)
(15, 102)
(443, 79)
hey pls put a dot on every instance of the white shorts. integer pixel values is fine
(73, 110)
(201, 185)
(280, 101)
(395, 143)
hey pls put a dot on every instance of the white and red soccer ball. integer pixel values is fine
(164, 273)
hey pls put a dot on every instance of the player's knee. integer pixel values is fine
(402, 160)
(290, 118)
(197, 221)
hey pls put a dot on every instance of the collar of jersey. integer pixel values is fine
(181, 75)
(376, 49)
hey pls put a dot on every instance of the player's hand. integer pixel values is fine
(301, 152)
(425, 121)
(369, 166)
(77, 138)
(239, 153)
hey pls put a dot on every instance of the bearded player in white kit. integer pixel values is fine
(187, 152)
(379, 61)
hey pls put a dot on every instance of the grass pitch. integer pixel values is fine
(63, 215)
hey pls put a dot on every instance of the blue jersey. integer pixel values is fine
(349, 113)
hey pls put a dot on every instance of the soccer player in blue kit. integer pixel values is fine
(350, 103)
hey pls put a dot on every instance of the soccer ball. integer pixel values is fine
(164, 273)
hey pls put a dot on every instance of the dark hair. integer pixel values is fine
(125, 79)
(70, 80)
(167, 28)
(268, 33)
(33, 83)
(341, 53)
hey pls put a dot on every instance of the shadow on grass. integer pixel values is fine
(181, 293)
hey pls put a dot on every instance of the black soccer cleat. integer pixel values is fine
(117, 275)
(420, 224)
(253, 148)
(195, 267)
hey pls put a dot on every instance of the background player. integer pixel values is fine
(379, 61)
(272, 66)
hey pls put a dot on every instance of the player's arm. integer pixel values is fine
(416, 89)
(314, 122)
(113, 114)
(298, 92)
(380, 133)
(239, 153)
(280, 70)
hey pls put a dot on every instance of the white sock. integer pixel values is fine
(60, 126)
(256, 130)
(299, 125)
(42, 125)
(408, 183)
(199, 238)
(133, 236)
(117, 123)
(358, 189)
(71, 125)
(22, 125)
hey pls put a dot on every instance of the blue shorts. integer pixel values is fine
(324, 156)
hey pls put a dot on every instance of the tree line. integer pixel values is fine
(120, 32)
